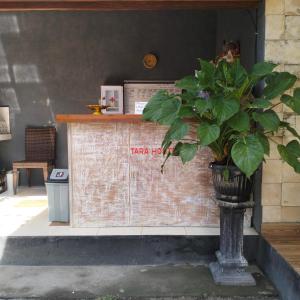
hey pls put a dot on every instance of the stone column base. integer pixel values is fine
(230, 267)
(231, 276)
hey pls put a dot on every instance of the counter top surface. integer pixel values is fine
(81, 118)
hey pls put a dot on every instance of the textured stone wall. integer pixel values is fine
(281, 186)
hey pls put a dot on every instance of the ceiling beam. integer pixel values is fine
(113, 5)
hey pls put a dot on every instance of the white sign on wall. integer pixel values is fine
(142, 91)
(139, 107)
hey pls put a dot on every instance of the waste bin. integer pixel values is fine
(11, 185)
(58, 195)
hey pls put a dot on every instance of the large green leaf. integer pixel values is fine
(292, 101)
(260, 103)
(278, 83)
(224, 76)
(206, 75)
(243, 89)
(188, 98)
(240, 121)
(188, 152)
(186, 111)
(202, 106)
(153, 109)
(169, 111)
(189, 83)
(176, 132)
(223, 109)
(176, 151)
(287, 126)
(262, 69)
(290, 154)
(247, 154)
(207, 133)
(294, 148)
(267, 119)
(264, 142)
(238, 73)
(207, 68)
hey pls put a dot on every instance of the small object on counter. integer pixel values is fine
(96, 108)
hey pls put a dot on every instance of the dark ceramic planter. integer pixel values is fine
(237, 188)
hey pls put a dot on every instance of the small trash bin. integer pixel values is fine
(11, 185)
(58, 195)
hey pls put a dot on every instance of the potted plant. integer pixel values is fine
(218, 103)
(229, 119)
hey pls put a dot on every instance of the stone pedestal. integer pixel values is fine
(229, 269)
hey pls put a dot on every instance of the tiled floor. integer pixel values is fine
(26, 214)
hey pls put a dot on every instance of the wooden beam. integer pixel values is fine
(112, 5)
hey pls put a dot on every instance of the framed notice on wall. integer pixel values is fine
(112, 97)
(138, 93)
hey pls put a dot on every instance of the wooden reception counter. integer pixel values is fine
(115, 178)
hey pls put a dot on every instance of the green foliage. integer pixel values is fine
(268, 119)
(247, 153)
(223, 109)
(207, 133)
(187, 151)
(218, 103)
(260, 103)
(278, 83)
(292, 102)
(176, 132)
(263, 139)
(291, 154)
(240, 121)
(262, 69)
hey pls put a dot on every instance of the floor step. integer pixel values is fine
(114, 250)
(134, 282)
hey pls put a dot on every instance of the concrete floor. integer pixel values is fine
(25, 215)
(110, 282)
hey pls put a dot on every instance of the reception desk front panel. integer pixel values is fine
(115, 179)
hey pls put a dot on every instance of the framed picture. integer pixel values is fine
(112, 97)
(138, 93)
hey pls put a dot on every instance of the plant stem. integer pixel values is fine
(275, 105)
(191, 140)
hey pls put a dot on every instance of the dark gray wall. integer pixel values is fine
(57, 61)
(238, 25)
(53, 63)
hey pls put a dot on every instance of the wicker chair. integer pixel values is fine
(40, 144)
